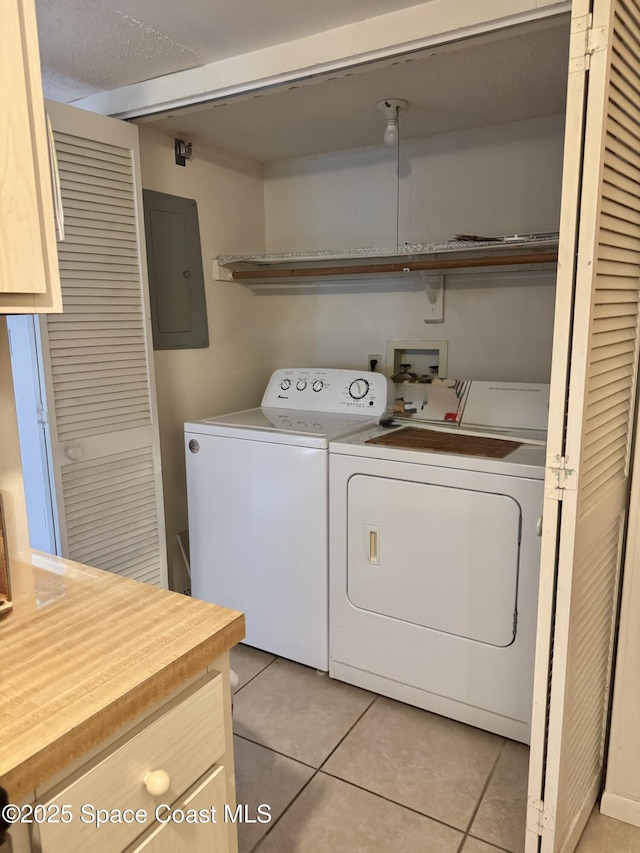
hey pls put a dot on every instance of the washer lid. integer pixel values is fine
(519, 405)
(295, 426)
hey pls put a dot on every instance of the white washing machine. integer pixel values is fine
(434, 559)
(257, 487)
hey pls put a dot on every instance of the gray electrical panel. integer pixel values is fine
(176, 282)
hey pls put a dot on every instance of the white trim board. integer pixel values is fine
(437, 22)
(620, 808)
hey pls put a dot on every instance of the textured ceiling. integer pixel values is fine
(511, 76)
(87, 46)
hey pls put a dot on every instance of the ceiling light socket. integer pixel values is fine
(391, 104)
(390, 107)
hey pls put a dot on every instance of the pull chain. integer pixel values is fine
(398, 181)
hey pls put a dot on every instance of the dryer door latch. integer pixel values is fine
(559, 477)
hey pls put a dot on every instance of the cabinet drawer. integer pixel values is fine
(185, 742)
(207, 799)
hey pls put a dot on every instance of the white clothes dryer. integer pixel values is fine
(257, 488)
(434, 563)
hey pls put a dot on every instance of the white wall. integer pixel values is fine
(493, 180)
(196, 383)
(498, 180)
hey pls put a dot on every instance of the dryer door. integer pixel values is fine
(442, 557)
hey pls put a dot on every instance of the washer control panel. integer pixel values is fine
(330, 390)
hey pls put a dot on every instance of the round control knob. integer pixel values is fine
(358, 389)
(74, 452)
(285, 384)
(318, 385)
(157, 782)
(301, 384)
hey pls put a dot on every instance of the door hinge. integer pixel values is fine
(42, 415)
(539, 820)
(535, 815)
(596, 39)
(558, 477)
(585, 41)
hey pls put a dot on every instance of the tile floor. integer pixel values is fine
(347, 771)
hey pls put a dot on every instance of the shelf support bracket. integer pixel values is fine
(221, 273)
(434, 291)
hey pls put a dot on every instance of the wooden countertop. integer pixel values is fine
(86, 651)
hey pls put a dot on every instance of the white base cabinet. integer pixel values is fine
(111, 804)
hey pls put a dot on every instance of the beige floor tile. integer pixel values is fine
(263, 776)
(247, 662)
(473, 845)
(331, 816)
(502, 815)
(605, 835)
(296, 711)
(429, 763)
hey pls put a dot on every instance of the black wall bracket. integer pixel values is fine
(183, 150)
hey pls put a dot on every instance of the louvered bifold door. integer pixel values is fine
(587, 482)
(98, 359)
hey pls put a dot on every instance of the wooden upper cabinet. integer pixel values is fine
(29, 278)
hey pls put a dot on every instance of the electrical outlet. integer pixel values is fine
(379, 366)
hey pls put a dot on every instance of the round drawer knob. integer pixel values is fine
(157, 782)
(74, 452)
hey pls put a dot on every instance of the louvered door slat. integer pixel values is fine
(109, 483)
(95, 246)
(99, 357)
(100, 150)
(101, 545)
(102, 213)
(111, 277)
(82, 164)
(97, 182)
(622, 157)
(597, 443)
(110, 297)
(601, 380)
(101, 496)
(134, 355)
(613, 176)
(106, 509)
(626, 27)
(621, 151)
(121, 528)
(622, 227)
(620, 240)
(117, 230)
(108, 393)
(620, 212)
(619, 196)
(594, 422)
(621, 105)
(624, 336)
(608, 390)
(137, 493)
(94, 241)
(91, 373)
(613, 295)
